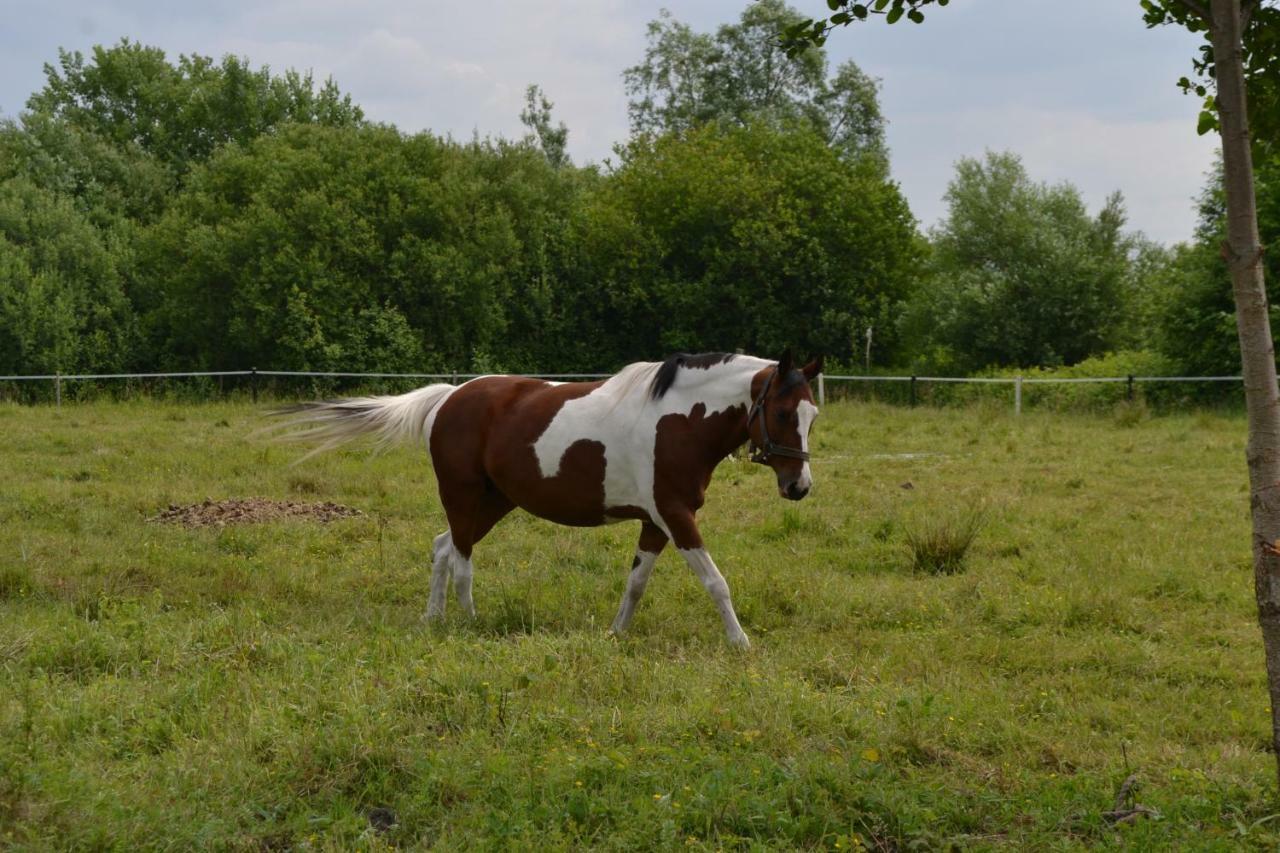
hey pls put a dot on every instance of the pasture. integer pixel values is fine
(272, 685)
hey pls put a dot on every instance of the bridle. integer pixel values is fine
(761, 452)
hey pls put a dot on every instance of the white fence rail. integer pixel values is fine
(253, 373)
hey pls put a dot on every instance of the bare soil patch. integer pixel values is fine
(250, 511)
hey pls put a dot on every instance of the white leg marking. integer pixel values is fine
(441, 552)
(635, 589)
(462, 583)
(703, 566)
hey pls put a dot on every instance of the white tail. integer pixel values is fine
(388, 419)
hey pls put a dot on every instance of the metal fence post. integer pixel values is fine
(1017, 395)
(57, 389)
(822, 390)
(913, 390)
(253, 383)
(1131, 387)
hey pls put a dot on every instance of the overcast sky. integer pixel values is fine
(1079, 88)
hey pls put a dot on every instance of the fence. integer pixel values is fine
(913, 384)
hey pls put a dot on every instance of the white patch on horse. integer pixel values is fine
(622, 416)
(806, 412)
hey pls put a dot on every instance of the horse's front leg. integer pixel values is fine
(688, 541)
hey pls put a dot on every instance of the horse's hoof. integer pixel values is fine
(740, 641)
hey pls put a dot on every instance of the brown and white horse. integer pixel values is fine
(641, 445)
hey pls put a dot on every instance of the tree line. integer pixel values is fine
(204, 214)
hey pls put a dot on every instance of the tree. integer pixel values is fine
(62, 306)
(726, 237)
(1022, 275)
(552, 139)
(107, 183)
(131, 94)
(741, 74)
(361, 248)
(1242, 55)
(1194, 320)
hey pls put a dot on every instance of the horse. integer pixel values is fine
(641, 445)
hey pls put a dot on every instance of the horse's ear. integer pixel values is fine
(785, 363)
(813, 368)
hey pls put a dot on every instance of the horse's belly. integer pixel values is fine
(574, 496)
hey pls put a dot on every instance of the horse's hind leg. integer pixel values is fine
(469, 521)
(652, 541)
(441, 554)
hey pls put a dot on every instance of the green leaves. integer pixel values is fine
(1206, 122)
(181, 112)
(795, 39)
(738, 218)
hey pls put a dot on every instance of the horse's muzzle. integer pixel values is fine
(793, 491)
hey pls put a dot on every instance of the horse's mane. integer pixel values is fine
(665, 376)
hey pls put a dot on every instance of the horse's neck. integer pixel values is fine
(726, 389)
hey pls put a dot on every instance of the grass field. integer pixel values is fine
(272, 686)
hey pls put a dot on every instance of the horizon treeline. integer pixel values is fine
(204, 214)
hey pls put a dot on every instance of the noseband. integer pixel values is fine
(761, 452)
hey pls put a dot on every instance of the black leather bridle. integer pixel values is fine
(766, 448)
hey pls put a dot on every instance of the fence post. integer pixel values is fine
(57, 388)
(1017, 395)
(1130, 387)
(913, 390)
(253, 383)
(822, 390)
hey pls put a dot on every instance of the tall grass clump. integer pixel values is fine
(939, 545)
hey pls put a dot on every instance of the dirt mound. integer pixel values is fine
(250, 511)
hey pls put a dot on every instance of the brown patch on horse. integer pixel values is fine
(652, 539)
(686, 452)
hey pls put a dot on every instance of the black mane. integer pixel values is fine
(666, 375)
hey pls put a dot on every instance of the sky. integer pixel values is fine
(1079, 88)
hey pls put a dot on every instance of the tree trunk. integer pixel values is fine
(1243, 254)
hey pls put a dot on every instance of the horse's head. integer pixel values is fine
(779, 421)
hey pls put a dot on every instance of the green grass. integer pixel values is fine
(273, 686)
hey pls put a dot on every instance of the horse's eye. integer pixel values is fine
(783, 417)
